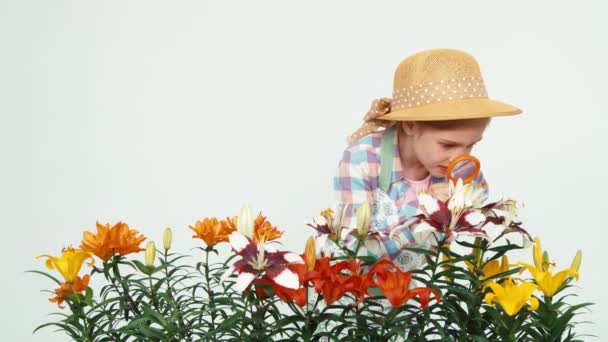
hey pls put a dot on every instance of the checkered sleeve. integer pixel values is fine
(355, 181)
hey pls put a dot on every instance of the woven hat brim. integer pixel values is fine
(453, 110)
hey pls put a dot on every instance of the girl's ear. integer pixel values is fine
(408, 127)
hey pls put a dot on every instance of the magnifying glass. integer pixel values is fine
(465, 167)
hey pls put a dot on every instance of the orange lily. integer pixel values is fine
(213, 231)
(78, 286)
(394, 284)
(264, 231)
(118, 239)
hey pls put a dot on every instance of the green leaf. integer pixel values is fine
(57, 281)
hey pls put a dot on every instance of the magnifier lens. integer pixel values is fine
(465, 167)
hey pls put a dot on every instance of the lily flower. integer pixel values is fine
(461, 214)
(491, 269)
(512, 297)
(69, 263)
(262, 258)
(394, 284)
(117, 239)
(287, 295)
(212, 231)
(328, 225)
(543, 273)
(436, 217)
(548, 282)
(503, 214)
(465, 196)
(334, 281)
(78, 286)
(263, 231)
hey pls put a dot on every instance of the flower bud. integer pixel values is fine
(546, 261)
(537, 254)
(167, 238)
(150, 254)
(310, 254)
(245, 222)
(504, 264)
(576, 263)
(364, 217)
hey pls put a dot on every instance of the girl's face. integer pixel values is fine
(435, 147)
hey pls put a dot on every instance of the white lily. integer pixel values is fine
(245, 222)
(465, 196)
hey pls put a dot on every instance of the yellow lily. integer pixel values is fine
(542, 271)
(512, 297)
(491, 268)
(548, 282)
(69, 263)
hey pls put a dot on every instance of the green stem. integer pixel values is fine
(152, 292)
(244, 316)
(81, 315)
(210, 292)
(117, 277)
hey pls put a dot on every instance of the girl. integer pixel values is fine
(439, 110)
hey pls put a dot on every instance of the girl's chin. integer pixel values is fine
(438, 171)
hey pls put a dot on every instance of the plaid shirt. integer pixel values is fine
(356, 181)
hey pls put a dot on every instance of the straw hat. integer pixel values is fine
(432, 85)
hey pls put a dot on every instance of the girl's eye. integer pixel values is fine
(447, 145)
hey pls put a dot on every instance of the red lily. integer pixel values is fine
(395, 283)
(334, 281)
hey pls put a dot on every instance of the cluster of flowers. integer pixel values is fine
(292, 277)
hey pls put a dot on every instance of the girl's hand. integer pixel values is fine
(440, 191)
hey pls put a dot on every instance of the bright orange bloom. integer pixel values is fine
(395, 283)
(264, 231)
(78, 286)
(229, 225)
(118, 239)
(336, 280)
(213, 231)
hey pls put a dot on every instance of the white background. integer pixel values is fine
(160, 114)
